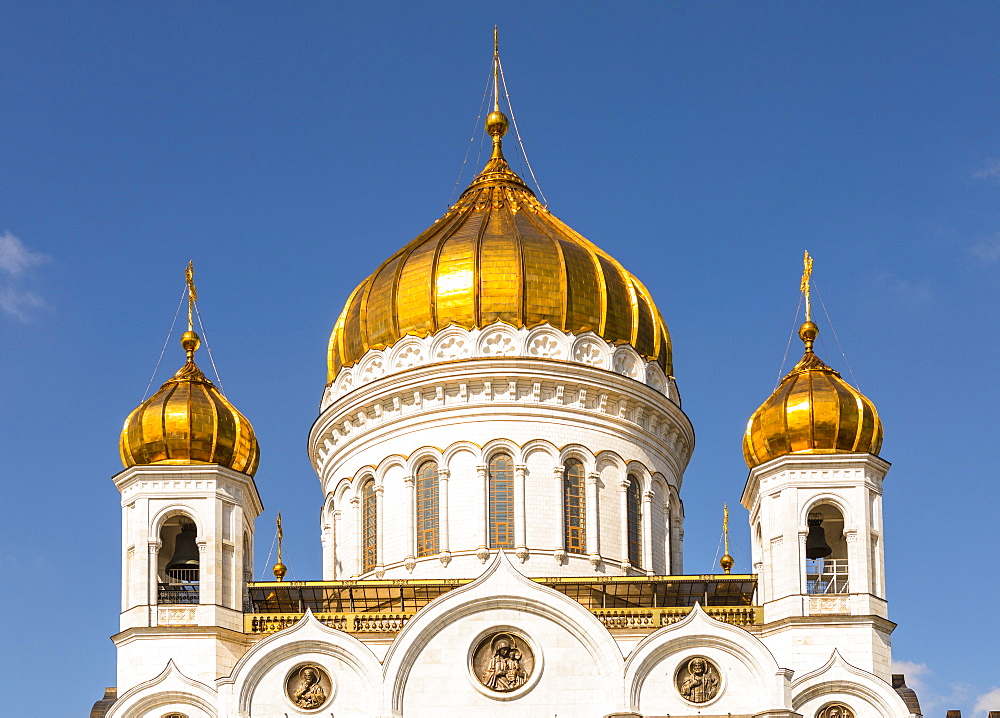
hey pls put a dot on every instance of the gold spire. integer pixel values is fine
(496, 123)
(279, 568)
(726, 561)
(807, 270)
(190, 339)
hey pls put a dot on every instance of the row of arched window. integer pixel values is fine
(500, 478)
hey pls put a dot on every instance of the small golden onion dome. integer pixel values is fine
(726, 563)
(189, 421)
(813, 411)
(498, 255)
(279, 571)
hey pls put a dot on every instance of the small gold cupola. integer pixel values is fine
(189, 421)
(813, 410)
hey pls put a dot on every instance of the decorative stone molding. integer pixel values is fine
(499, 340)
(828, 605)
(482, 553)
(374, 409)
(445, 558)
(177, 616)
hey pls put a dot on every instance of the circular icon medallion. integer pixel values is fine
(503, 662)
(835, 710)
(697, 680)
(308, 687)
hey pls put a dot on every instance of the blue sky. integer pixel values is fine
(288, 148)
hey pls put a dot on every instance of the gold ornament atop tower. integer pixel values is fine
(727, 561)
(189, 421)
(498, 255)
(279, 570)
(813, 410)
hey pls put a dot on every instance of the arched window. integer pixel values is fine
(633, 505)
(179, 559)
(501, 495)
(826, 552)
(369, 527)
(428, 515)
(574, 534)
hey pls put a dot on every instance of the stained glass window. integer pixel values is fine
(633, 503)
(428, 516)
(574, 534)
(369, 527)
(501, 495)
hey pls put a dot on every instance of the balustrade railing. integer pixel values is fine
(348, 622)
(626, 618)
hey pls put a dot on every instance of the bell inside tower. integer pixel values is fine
(179, 574)
(826, 552)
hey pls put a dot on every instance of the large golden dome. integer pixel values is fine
(813, 411)
(189, 421)
(498, 254)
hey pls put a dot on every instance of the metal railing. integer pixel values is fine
(181, 587)
(826, 575)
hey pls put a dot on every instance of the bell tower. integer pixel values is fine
(814, 494)
(188, 508)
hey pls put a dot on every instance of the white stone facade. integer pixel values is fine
(583, 670)
(538, 410)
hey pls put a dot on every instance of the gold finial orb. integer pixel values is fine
(808, 333)
(496, 124)
(279, 571)
(727, 562)
(190, 341)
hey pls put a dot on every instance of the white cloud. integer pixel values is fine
(988, 250)
(914, 673)
(910, 292)
(988, 701)
(991, 168)
(15, 260)
(19, 303)
(15, 257)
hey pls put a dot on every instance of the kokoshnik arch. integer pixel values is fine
(501, 449)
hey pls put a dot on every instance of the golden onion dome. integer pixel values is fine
(189, 421)
(498, 255)
(813, 411)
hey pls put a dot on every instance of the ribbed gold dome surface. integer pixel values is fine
(498, 254)
(813, 411)
(189, 421)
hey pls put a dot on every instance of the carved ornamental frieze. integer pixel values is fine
(835, 710)
(308, 687)
(698, 680)
(503, 662)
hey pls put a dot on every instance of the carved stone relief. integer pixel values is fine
(588, 352)
(697, 680)
(503, 662)
(308, 687)
(835, 710)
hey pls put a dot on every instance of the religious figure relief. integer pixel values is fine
(835, 710)
(698, 680)
(308, 687)
(503, 662)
